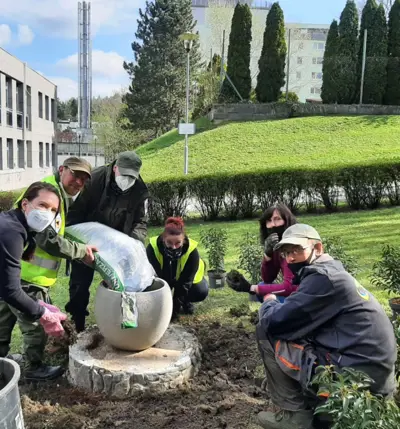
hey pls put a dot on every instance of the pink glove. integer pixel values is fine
(50, 307)
(51, 320)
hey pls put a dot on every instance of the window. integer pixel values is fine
(315, 90)
(1, 153)
(41, 154)
(316, 75)
(47, 155)
(318, 35)
(20, 154)
(53, 110)
(47, 107)
(20, 123)
(298, 75)
(40, 105)
(9, 119)
(318, 60)
(53, 155)
(301, 46)
(10, 154)
(9, 103)
(19, 97)
(319, 46)
(299, 60)
(29, 154)
(28, 108)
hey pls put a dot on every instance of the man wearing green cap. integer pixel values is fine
(40, 274)
(115, 196)
(330, 320)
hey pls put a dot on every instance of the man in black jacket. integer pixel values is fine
(115, 196)
(330, 320)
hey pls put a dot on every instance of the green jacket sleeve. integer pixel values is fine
(58, 246)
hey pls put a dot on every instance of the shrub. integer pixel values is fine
(335, 248)
(386, 272)
(350, 404)
(250, 257)
(214, 240)
(292, 97)
(7, 200)
(226, 194)
(167, 199)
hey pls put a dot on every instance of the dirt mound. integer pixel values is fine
(223, 395)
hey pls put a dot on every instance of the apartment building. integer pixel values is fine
(28, 114)
(307, 42)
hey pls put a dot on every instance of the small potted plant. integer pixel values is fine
(386, 275)
(214, 240)
(250, 257)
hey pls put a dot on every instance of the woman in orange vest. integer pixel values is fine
(176, 260)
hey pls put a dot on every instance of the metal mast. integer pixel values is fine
(85, 68)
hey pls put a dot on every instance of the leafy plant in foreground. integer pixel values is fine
(350, 404)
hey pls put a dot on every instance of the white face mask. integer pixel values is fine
(125, 182)
(38, 220)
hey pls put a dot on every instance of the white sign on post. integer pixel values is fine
(186, 129)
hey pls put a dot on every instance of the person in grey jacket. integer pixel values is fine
(330, 320)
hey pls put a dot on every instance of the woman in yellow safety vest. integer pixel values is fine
(176, 260)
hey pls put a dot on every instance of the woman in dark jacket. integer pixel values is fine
(176, 260)
(274, 221)
(36, 211)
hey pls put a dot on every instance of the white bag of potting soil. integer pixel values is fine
(120, 260)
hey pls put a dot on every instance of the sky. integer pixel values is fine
(44, 34)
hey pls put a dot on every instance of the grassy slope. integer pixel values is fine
(363, 234)
(304, 142)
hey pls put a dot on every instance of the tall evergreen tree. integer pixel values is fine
(329, 93)
(374, 21)
(347, 64)
(156, 97)
(238, 67)
(392, 96)
(271, 77)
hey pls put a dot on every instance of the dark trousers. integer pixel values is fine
(79, 293)
(198, 292)
(285, 392)
(34, 337)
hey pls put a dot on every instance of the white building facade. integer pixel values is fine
(28, 115)
(307, 42)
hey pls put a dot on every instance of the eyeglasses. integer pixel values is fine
(294, 252)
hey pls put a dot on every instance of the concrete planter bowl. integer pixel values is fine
(154, 315)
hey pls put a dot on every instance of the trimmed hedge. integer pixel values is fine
(363, 186)
(7, 199)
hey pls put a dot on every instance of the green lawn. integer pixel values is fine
(248, 146)
(363, 234)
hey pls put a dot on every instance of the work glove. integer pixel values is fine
(270, 242)
(181, 292)
(237, 282)
(51, 320)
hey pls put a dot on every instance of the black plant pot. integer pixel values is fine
(394, 304)
(216, 279)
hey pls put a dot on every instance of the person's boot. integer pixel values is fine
(16, 357)
(187, 307)
(176, 308)
(42, 372)
(79, 322)
(284, 419)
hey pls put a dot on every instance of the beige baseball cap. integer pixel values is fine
(78, 164)
(298, 235)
